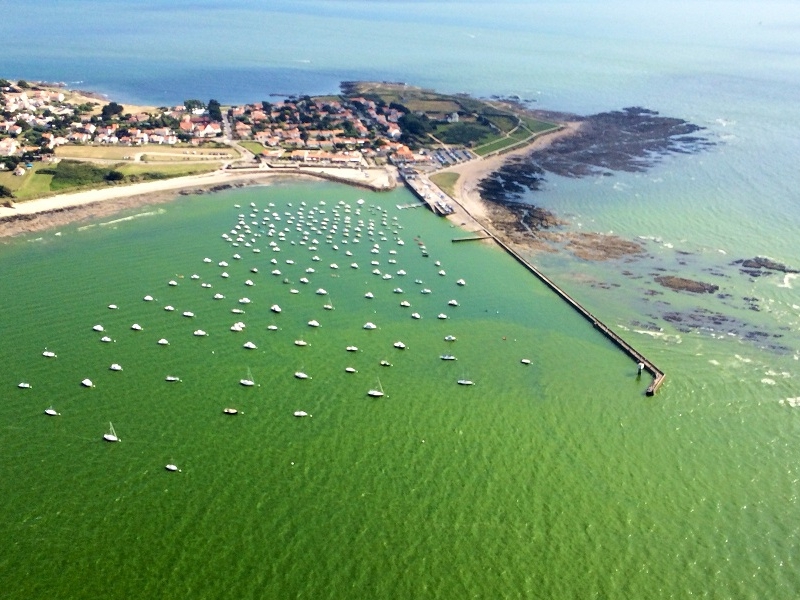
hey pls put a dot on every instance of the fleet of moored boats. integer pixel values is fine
(312, 224)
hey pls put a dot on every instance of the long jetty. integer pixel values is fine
(420, 190)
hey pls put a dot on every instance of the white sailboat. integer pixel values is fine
(51, 412)
(249, 382)
(376, 393)
(111, 436)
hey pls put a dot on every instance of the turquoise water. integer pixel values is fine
(554, 480)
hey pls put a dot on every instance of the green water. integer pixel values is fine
(559, 479)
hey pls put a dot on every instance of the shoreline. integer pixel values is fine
(63, 209)
(55, 211)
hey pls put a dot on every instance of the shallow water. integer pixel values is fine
(556, 478)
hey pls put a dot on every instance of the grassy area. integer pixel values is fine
(68, 176)
(254, 147)
(446, 181)
(145, 171)
(125, 152)
(31, 185)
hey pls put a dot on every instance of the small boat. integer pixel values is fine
(321, 292)
(236, 327)
(87, 383)
(247, 382)
(24, 385)
(386, 276)
(188, 313)
(350, 370)
(230, 411)
(254, 269)
(199, 332)
(442, 272)
(237, 311)
(438, 263)
(207, 260)
(205, 285)
(224, 275)
(48, 354)
(219, 296)
(163, 342)
(98, 328)
(250, 345)
(418, 281)
(169, 308)
(195, 276)
(301, 375)
(275, 308)
(115, 367)
(313, 323)
(441, 316)
(272, 327)
(136, 327)
(416, 316)
(452, 302)
(376, 393)
(303, 280)
(370, 325)
(276, 272)
(448, 357)
(148, 298)
(398, 290)
(111, 436)
(172, 282)
(113, 306)
(237, 257)
(405, 303)
(465, 382)
(328, 306)
(51, 412)
(369, 295)
(171, 467)
(461, 282)
(300, 343)
(334, 266)
(172, 378)
(526, 361)
(450, 338)
(352, 348)
(294, 291)
(386, 363)
(354, 265)
(244, 300)
(401, 272)
(301, 413)
(424, 291)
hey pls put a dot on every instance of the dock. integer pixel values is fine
(657, 374)
(472, 238)
(435, 199)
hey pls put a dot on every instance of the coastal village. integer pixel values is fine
(345, 132)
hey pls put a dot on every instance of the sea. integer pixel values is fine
(554, 479)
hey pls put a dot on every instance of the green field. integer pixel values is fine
(128, 152)
(254, 147)
(446, 181)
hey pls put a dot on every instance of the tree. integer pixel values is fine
(22, 84)
(111, 110)
(214, 110)
(4, 83)
(6, 193)
(192, 104)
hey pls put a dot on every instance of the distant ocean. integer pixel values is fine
(559, 482)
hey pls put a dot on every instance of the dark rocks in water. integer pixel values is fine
(753, 266)
(686, 285)
(702, 320)
(631, 140)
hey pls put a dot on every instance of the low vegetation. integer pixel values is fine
(446, 182)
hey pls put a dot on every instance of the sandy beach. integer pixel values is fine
(59, 210)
